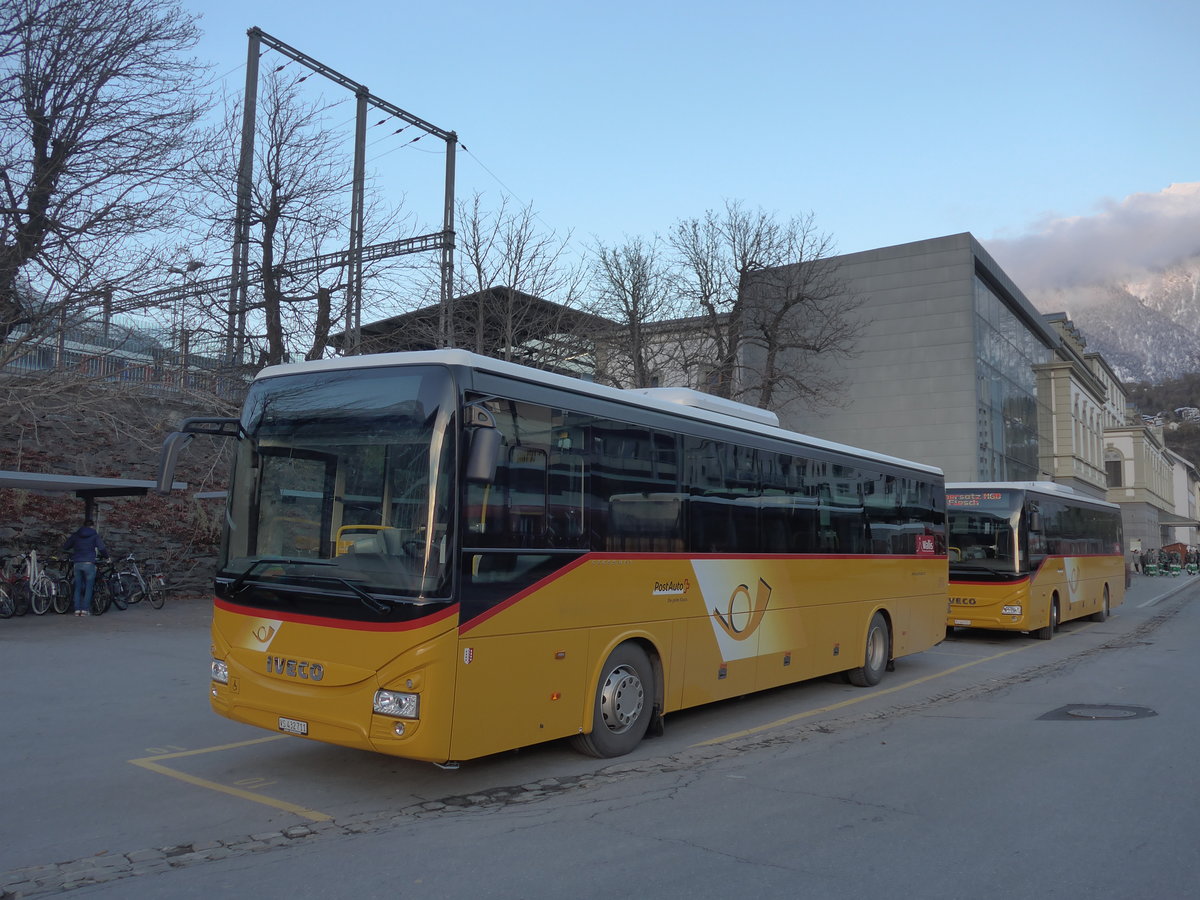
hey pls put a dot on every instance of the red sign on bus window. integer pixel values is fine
(926, 545)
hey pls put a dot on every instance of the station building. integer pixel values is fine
(955, 367)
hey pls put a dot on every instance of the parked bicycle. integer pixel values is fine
(7, 605)
(152, 584)
(42, 587)
(109, 590)
(63, 573)
(15, 588)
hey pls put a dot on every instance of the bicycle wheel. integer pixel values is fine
(19, 590)
(100, 597)
(129, 585)
(158, 590)
(6, 604)
(41, 595)
(64, 593)
(116, 590)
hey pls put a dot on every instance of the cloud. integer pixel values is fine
(1124, 241)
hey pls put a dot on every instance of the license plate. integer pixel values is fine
(293, 726)
(956, 622)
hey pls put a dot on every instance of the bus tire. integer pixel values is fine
(1102, 613)
(622, 706)
(875, 657)
(1046, 633)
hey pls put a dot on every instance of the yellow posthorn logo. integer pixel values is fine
(264, 633)
(744, 613)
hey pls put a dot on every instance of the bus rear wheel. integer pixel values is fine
(1102, 613)
(876, 658)
(622, 706)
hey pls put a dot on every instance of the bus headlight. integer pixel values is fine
(220, 671)
(1010, 611)
(397, 705)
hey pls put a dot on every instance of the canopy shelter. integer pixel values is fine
(1170, 520)
(82, 486)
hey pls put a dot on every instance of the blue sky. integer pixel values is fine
(889, 122)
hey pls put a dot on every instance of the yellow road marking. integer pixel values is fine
(758, 729)
(152, 764)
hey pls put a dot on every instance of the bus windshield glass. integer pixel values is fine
(342, 484)
(982, 529)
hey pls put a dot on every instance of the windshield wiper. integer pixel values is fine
(239, 584)
(376, 606)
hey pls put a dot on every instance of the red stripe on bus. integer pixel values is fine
(1020, 580)
(411, 625)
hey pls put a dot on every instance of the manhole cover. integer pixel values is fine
(1101, 712)
(1097, 711)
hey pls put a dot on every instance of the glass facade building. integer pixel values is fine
(1007, 407)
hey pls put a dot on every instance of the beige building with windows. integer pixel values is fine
(1073, 413)
(1181, 526)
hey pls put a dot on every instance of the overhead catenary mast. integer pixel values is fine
(443, 240)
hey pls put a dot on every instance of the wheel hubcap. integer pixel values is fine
(621, 699)
(875, 648)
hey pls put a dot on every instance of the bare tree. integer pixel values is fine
(516, 293)
(774, 312)
(298, 213)
(296, 204)
(633, 286)
(97, 132)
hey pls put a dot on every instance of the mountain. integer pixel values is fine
(1148, 330)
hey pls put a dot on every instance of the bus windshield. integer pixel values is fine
(342, 485)
(982, 530)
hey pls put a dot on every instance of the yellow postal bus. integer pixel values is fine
(1025, 556)
(440, 556)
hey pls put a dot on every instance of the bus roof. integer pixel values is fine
(673, 401)
(1046, 488)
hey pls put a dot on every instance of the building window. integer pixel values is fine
(1006, 352)
(1113, 468)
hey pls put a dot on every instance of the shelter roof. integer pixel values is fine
(1170, 519)
(80, 485)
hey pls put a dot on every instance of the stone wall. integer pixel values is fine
(88, 429)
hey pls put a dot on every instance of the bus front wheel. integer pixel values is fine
(622, 706)
(1102, 613)
(876, 658)
(1045, 634)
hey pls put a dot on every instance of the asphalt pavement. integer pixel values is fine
(116, 766)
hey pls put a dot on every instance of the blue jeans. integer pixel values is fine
(85, 583)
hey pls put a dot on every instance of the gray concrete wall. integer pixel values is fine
(909, 391)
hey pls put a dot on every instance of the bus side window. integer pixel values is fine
(565, 484)
(707, 468)
(512, 511)
(632, 489)
(526, 497)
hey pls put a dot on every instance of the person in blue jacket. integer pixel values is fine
(85, 546)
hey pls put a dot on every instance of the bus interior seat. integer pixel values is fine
(369, 544)
(393, 541)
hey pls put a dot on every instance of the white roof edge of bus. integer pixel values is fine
(710, 402)
(453, 357)
(1042, 487)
